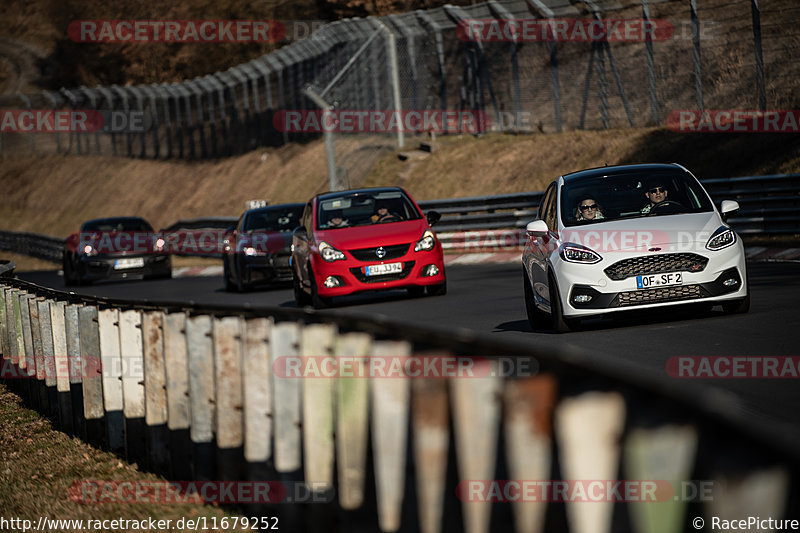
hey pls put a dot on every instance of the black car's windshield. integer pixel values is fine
(595, 199)
(364, 209)
(117, 224)
(284, 219)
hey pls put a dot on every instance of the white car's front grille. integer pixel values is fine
(656, 264)
(662, 294)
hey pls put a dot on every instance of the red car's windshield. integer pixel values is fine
(364, 209)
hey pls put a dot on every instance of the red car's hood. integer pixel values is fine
(373, 235)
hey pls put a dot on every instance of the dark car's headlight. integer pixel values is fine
(329, 253)
(426, 243)
(722, 238)
(575, 253)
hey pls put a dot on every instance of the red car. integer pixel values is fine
(365, 240)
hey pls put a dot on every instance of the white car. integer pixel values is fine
(634, 236)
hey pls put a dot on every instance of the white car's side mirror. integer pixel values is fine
(536, 227)
(728, 208)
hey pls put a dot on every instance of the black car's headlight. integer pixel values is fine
(426, 243)
(722, 238)
(575, 253)
(329, 253)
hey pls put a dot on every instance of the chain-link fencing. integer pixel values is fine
(501, 66)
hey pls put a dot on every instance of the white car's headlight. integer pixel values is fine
(426, 243)
(329, 253)
(722, 238)
(575, 253)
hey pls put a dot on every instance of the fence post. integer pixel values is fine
(698, 68)
(762, 94)
(651, 71)
(394, 80)
(37, 372)
(48, 352)
(257, 383)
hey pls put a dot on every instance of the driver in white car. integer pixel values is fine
(657, 193)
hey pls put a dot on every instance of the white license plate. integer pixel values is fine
(129, 262)
(659, 280)
(387, 268)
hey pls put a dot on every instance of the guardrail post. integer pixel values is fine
(58, 325)
(38, 393)
(476, 421)
(92, 375)
(588, 429)
(111, 359)
(284, 342)
(155, 392)
(75, 367)
(228, 336)
(132, 365)
(431, 436)
(390, 406)
(26, 361)
(48, 352)
(352, 398)
(3, 324)
(200, 353)
(528, 410)
(318, 409)
(179, 416)
(665, 453)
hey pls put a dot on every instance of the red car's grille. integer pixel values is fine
(391, 252)
(358, 272)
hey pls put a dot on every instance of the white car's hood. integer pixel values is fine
(682, 232)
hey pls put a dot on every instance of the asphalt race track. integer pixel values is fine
(488, 299)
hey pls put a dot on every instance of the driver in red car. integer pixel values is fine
(382, 214)
(657, 193)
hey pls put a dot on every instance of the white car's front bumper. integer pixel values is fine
(609, 295)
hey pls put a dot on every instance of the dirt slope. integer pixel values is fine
(54, 194)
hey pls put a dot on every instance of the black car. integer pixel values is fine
(115, 248)
(257, 250)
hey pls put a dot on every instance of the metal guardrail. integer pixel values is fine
(201, 393)
(769, 205)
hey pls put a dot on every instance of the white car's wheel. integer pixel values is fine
(559, 323)
(536, 318)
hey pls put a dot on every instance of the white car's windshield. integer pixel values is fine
(595, 199)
